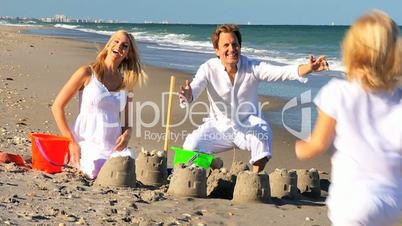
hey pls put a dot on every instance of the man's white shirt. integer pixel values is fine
(230, 105)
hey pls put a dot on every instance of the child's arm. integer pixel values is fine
(320, 140)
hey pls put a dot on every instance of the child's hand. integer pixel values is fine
(75, 154)
(122, 141)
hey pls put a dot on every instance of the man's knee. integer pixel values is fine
(259, 165)
(217, 163)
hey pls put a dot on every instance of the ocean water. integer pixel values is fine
(186, 46)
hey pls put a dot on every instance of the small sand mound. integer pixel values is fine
(117, 171)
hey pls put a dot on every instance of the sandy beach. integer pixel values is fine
(32, 71)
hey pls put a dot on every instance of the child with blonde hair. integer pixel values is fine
(362, 116)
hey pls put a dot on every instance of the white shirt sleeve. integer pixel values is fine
(199, 82)
(268, 72)
(327, 99)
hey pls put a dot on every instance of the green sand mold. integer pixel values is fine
(183, 156)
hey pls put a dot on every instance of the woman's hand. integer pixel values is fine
(75, 153)
(122, 140)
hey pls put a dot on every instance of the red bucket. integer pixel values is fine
(49, 152)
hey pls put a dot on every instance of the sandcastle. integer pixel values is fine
(117, 171)
(221, 182)
(283, 183)
(188, 181)
(308, 182)
(237, 167)
(151, 167)
(251, 187)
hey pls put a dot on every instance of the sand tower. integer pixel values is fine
(188, 181)
(237, 167)
(308, 182)
(117, 171)
(283, 183)
(251, 187)
(220, 184)
(151, 167)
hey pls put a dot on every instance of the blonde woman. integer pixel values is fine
(103, 87)
(362, 116)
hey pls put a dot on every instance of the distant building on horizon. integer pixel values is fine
(60, 18)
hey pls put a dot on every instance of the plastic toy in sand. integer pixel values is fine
(199, 159)
(49, 152)
(9, 158)
(188, 181)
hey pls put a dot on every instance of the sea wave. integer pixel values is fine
(67, 26)
(185, 43)
(5, 23)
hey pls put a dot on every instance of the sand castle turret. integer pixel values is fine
(220, 184)
(283, 183)
(237, 167)
(117, 171)
(188, 181)
(308, 182)
(251, 187)
(151, 167)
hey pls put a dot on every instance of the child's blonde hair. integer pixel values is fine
(372, 51)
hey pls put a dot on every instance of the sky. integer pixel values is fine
(306, 12)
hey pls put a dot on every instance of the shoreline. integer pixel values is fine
(32, 71)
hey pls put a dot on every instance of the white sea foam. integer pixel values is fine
(88, 30)
(66, 26)
(5, 23)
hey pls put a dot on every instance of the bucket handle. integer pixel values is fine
(190, 161)
(47, 158)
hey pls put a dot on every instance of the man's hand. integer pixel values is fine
(185, 93)
(314, 65)
(319, 64)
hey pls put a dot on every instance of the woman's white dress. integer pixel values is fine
(98, 126)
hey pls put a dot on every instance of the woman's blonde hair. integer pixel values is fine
(130, 67)
(372, 51)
